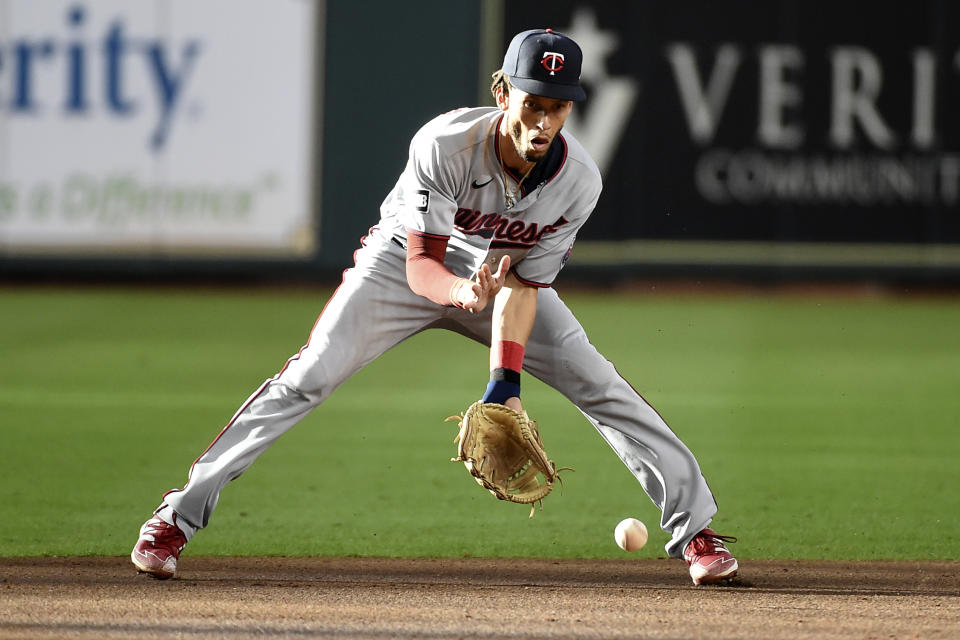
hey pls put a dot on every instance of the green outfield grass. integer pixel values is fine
(827, 427)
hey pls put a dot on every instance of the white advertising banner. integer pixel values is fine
(157, 127)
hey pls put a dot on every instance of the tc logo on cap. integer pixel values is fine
(552, 62)
(544, 63)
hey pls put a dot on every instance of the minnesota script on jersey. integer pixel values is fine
(453, 186)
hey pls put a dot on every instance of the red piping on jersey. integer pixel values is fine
(424, 234)
(529, 283)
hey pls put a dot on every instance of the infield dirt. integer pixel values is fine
(474, 598)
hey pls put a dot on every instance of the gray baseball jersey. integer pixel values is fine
(454, 184)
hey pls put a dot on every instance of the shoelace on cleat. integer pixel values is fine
(165, 534)
(709, 542)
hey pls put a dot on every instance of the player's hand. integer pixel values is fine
(514, 403)
(486, 286)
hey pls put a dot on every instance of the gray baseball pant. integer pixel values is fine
(374, 310)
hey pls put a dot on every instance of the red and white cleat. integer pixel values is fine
(710, 561)
(158, 548)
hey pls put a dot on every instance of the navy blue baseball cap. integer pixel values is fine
(545, 63)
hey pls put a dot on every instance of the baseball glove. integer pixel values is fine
(502, 449)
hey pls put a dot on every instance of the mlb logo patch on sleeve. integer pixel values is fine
(422, 200)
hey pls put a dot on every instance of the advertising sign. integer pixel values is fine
(157, 127)
(768, 131)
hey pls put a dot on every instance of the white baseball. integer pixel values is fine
(630, 534)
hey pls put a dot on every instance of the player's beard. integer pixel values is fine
(516, 135)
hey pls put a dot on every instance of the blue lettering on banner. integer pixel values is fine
(25, 59)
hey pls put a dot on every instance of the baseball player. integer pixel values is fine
(470, 239)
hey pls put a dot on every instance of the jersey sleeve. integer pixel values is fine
(426, 189)
(542, 264)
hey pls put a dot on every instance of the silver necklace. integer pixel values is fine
(510, 196)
